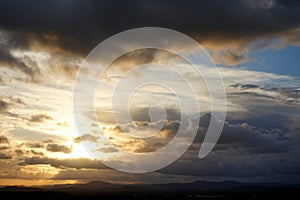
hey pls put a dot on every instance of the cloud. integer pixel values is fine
(256, 139)
(35, 145)
(141, 56)
(3, 139)
(228, 57)
(19, 152)
(3, 105)
(7, 103)
(67, 69)
(86, 137)
(37, 153)
(114, 176)
(108, 150)
(39, 118)
(245, 150)
(5, 156)
(142, 115)
(266, 139)
(289, 95)
(4, 148)
(151, 136)
(253, 138)
(76, 163)
(9, 61)
(58, 148)
(236, 26)
(263, 4)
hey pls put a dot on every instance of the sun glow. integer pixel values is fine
(78, 151)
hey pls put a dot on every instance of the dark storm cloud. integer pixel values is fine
(58, 148)
(253, 138)
(259, 117)
(244, 151)
(79, 25)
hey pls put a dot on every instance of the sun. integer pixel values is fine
(78, 151)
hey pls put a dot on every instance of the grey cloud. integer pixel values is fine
(246, 86)
(253, 139)
(5, 156)
(67, 69)
(35, 145)
(11, 62)
(288, 92)
(6, 102)
(76, 163)
(229, 57)
(4, 148)
(3, 139)
(86, 137)
(3, 105)
(121, 177)
(37, 153)
(78, 26)
(251, 133)
(153, 143)
(39, 118)
(58, 148)
(142, 115)
(262, 136)
(244, 150)
(48, 140)
(222, 163)
(261, 118)
(253, 94)
(286, 95)
(108, 150)
(137, 114)
(142, 56)
(19, 152)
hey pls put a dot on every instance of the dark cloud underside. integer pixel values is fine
(80, 25)
(58, 148)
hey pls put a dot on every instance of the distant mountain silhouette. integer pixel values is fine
(95, 186)
(19, 189)
(197, 189)
(100, 186)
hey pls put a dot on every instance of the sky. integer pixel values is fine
(255, 45)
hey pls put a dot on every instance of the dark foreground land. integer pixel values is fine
(199, 190)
